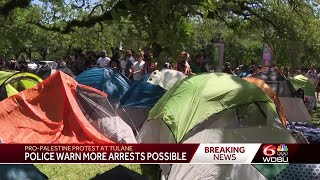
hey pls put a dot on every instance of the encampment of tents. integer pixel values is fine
(304, 83)
(59, 110)
(106, 80)
(234, 111)
(12, 83)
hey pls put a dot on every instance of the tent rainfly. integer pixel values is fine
(12, 83)
(59, 110)
(215, 108)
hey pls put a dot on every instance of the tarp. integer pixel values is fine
(107, 80)
(12, 83)
(166, 78)
(142, 94)
(47, 113)
(195, 99)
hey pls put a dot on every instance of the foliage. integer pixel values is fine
(289, 27)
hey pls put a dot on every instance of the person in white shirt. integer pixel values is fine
(138, 67)
(103, 61)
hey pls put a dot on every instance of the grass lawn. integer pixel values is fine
(88, 171)
(316, 116)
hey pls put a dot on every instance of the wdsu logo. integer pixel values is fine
(275, 155)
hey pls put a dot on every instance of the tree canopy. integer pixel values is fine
(289, 27)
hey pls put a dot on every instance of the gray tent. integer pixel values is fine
(99, 112)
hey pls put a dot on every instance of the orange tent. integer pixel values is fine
(268, 90)
(48, 113)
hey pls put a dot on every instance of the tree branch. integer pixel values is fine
(11, 5)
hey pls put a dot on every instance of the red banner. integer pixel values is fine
(160, 153)
(122, 154)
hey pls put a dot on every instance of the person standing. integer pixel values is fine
(183, 65)
(149, 66)
(312, 76)
(115, 62)
(103, 61)
(130, 56)
(138, 67)
(128, 70)
(197, 65)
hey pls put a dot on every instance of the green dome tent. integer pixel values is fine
(12, 83)
(304, 83)
(215, 108)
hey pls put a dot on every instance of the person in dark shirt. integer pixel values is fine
(129, 68)
(115, 61)
(23, 64)
(149, 66)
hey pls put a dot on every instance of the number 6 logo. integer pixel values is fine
(269, 150)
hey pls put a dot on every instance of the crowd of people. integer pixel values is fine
(135, 65)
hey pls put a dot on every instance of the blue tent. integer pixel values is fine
(136, 103)
(107, 80)
(142, 94)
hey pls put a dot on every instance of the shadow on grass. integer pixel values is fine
(152, 171)
(316, 117)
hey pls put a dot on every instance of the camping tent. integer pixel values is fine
(276, 80)
(59, 110)
(107, 80)
(268, 90)
(304, 83)
(12, 83)
(293, 106)
(214, 108)
(136, 103)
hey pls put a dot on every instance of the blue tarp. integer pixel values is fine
(142, 94)
(107, 80)
(311, 132)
